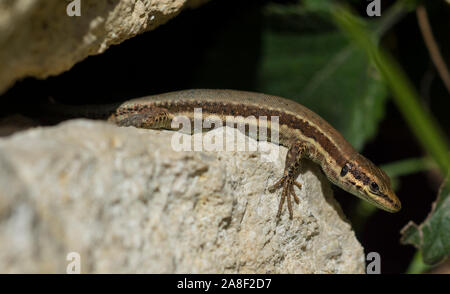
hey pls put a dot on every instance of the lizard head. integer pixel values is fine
(365, 180)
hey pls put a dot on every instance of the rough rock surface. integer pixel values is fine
(39, 39)
(127, 203)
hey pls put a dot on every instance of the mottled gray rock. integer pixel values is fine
(127, 203)
(39, 39)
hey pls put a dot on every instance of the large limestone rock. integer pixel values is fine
(127, 203)
(39, 39)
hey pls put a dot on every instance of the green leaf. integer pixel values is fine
(404, 94)
(308, 60)
(432, 237)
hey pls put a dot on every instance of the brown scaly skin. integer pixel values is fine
(303, 132)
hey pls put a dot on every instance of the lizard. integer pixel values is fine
(303, 132)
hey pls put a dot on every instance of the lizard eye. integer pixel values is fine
(374, 186)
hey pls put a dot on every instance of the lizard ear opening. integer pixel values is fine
(345, 169)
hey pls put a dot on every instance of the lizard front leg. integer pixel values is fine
(288, 180)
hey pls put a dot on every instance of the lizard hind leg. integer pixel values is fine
(288, 180)
(152, 118)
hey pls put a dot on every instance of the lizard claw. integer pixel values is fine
(287, 184)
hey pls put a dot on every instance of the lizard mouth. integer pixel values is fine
(388, 202)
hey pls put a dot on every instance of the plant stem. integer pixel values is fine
(408, 166)
(426, 130)
(417, 266)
